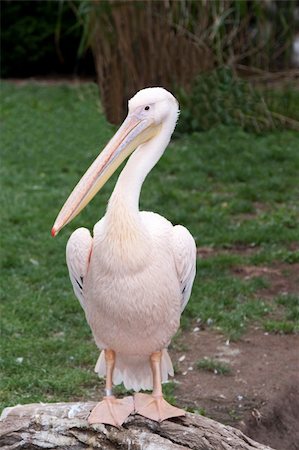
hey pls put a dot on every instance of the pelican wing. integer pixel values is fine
(184, 250)
(78, 252)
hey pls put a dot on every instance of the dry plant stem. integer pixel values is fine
(170, 43)
(142, 52)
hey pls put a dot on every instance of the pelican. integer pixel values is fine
(134, 277)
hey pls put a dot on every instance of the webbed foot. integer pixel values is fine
(155, 407)
(112, 411)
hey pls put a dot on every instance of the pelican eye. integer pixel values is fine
(147, 108)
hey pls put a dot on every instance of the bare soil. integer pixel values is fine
(261, 394)
(264, 373)
(282, 278)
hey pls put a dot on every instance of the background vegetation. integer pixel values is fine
(137, 44)
(231, 188)
(41, 38)
(230, 174)
(195, 48)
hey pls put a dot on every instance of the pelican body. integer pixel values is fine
(134, 277)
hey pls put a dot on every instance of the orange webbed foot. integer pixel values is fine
(112, 411)
(155, 407)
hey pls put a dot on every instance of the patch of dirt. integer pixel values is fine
(244, 250)
(255, 271)
(282, 278)
(263, 379)
(261, 394)
(237, 249)
(294, 246)
(277, 419)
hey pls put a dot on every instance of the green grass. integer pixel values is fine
(289, 316)
(280, 326)
(229, 302)
(228, 187)
(291, 305)
(212, 365)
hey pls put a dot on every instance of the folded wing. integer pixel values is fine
(184, 250)
(78, 251)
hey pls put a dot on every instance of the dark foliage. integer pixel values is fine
(41, 38)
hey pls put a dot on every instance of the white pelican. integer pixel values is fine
(134, 277)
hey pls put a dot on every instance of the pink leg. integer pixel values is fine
(110, 364)
(154, 406)
(111, 410)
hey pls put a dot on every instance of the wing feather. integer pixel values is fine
(184, 250)
(78, 252)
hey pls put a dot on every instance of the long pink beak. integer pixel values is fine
(134, 131)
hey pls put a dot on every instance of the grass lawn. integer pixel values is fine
(230, 188)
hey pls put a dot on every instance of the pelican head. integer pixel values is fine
(149, 110)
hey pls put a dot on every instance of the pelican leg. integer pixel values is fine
(111, 410)
(154, 406)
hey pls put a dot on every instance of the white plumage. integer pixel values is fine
(133, 307)
(134, 277)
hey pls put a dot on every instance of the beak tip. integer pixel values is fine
(53, 232)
